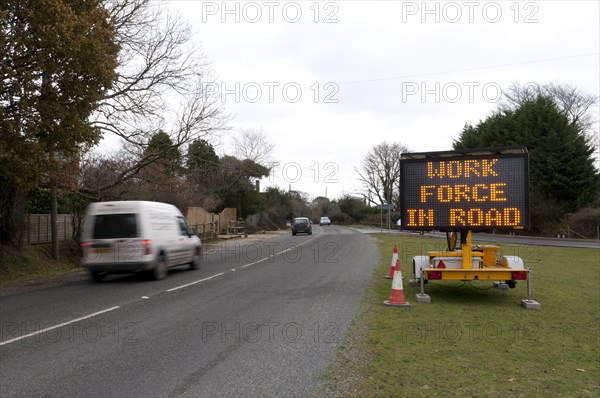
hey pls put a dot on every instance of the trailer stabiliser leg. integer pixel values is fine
(530, 303)
(422, 297)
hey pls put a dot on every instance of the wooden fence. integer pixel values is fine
(204, 221)
(38, 227)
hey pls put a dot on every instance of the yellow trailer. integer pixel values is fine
(463, 191)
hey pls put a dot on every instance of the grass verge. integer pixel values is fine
(35, 262)
(476, 340)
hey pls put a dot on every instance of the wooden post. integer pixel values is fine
(54, 222)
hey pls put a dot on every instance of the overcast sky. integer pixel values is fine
(326, 81)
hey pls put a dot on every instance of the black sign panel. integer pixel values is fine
(462, 191)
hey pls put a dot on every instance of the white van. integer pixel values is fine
(130, 236)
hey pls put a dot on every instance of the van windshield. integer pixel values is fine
(113, 226)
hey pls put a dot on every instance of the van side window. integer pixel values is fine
(182, 227)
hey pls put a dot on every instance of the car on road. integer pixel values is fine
(301, 225)
(324, 221)
(132, 236)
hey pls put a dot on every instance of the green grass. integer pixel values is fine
(474, 340)
(35, 262)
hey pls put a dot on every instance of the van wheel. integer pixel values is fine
(160, 269)
(195, 264)
(97, 276)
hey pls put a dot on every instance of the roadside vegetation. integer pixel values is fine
(476, 340)
(35, 262)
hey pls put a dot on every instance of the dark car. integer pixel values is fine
(301, 225)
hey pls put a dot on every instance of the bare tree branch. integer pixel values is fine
(580, 108)
(380, 174)
(254, 145)
(158, 67)
(161, 86)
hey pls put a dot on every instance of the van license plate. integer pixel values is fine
(101, 250)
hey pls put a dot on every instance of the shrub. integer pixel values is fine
(585, 223)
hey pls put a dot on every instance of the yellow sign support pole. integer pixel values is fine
(467, 255)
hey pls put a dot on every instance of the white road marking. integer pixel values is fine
(253, 263)
(58, 326)
(301, 244)
(193, 283)
(256, 262)
(281, 252)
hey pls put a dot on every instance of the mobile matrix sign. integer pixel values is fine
(476, 190)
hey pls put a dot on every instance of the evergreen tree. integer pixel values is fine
(278, 203)
(166, 153)
(562, 172)
(201, 156)
(237, 184)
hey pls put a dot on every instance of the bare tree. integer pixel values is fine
(99, 172)
(163, 84)
(380, 173)
(254, 145)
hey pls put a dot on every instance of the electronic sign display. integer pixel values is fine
(474, 190)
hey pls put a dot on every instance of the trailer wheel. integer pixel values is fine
(512, 284)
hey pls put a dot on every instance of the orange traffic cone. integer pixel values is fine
(397, 294)
(393, 263)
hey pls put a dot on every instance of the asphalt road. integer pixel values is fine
(262, 317)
